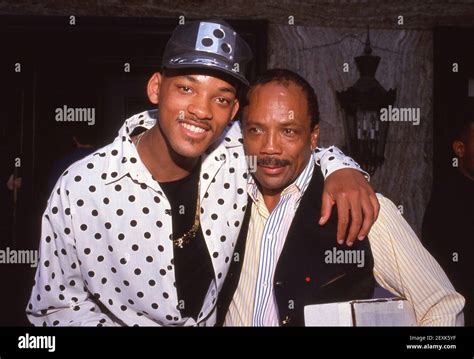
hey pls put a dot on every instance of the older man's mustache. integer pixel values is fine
(272, 162)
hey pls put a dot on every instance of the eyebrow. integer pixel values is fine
(288, 123)
(192, 79)
(227, 89)
(221, 89)
(282, 123)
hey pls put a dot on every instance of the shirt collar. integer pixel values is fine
(123, 158)
(122, 155)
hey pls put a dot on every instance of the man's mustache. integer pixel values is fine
(193, 119)
(272, 162)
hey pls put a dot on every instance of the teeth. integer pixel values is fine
(193, 128)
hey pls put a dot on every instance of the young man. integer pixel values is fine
(288, 261)
(142, 232)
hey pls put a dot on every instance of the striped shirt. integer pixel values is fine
(404, 267)
(254, 303)
(401, 264)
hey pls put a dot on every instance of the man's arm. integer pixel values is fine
(346, 187)
(59, 296)
(404, 267)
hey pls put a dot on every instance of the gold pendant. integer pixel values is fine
(179, 242)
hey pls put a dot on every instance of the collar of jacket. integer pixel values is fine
(123, 158)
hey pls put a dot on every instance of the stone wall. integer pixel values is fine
(419, 14)
(406, 64)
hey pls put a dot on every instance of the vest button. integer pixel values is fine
(278, 283)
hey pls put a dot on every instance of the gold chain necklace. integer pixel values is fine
(191, 234)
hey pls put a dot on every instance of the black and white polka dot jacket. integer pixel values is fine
(106, 257)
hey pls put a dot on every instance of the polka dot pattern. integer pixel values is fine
(105, 255)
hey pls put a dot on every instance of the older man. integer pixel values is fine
(290, 262)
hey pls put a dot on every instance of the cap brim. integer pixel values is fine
(188, 64)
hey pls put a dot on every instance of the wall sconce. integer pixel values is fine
(365, 133)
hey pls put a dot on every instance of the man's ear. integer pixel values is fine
(314, 137)
(153, 87)
(459, 148)
(235, 109)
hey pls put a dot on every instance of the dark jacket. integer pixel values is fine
(302, 276)
(448, 228)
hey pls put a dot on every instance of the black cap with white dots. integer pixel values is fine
(208, 44)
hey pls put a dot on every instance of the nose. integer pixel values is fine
(271, 144)
(201, 108)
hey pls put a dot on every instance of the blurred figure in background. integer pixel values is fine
(84, 141)
(448, 225)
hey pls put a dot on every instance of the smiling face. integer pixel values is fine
(194, 109)
(277, 129)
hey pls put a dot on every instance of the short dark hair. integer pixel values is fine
(284, 77)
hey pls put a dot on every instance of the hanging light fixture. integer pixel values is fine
(365, 133)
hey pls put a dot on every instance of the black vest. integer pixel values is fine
(307, 271)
